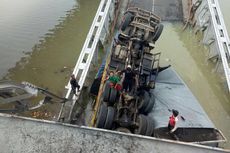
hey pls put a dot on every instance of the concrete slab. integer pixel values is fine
(23, 135)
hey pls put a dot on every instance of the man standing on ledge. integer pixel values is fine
(74, 85)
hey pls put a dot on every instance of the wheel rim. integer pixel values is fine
(142, 122)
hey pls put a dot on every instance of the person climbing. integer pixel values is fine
(113, 78)
(118, 85)
(172, 125)
(129, 77)
(74, 85)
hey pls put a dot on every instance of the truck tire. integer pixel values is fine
(145, 101)
(150, 105)
(149, 128)
(141, 103)
(142, 122)
(127, 19)
(101, 116)
(109, 118)
(159, 29)
(106, 92)
(112, 96)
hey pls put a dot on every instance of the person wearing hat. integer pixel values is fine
(129, 77)
(74, 84)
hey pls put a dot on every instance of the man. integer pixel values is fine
(128, 79)
(172, 125)
(74, 84)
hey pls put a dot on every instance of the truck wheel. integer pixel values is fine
(141, 103)
(101, 116)
(109, 118)
(112, 96)
(106, 92)
(142, 122)
(127, 19)
(150, 105)
(145, 98)
(159, 29)
(149, 128)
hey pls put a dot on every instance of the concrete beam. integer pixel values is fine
(23, 135)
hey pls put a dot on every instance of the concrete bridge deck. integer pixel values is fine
(23, 135)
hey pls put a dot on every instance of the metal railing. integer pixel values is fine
(89, 47)
(86, 56)
(222, 38)
(210, 20)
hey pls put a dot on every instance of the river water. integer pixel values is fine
(40, 41)
(44, 41)
(24, 23)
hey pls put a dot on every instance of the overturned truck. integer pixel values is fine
(145, 107)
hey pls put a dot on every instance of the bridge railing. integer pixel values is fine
(88, 50)
(210, 20)
(98, 31)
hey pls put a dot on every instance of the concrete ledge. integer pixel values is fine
(19, 134)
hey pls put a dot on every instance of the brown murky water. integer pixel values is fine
(51, 37)
(24, 23)
(51, 59)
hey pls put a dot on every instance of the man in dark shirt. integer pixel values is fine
(128, 79)
(74, 84)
